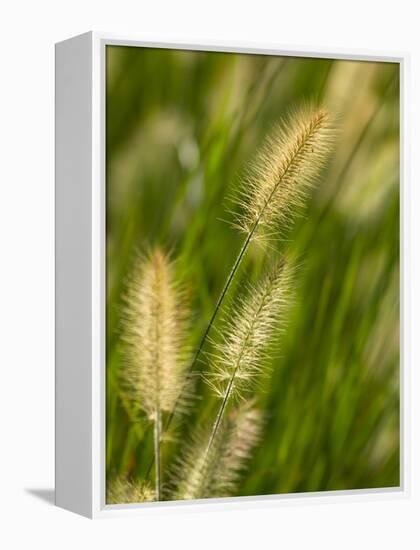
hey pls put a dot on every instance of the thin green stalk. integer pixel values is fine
(223, 293)
(157, 454)
(217, 308)
(219, 416)
(229, 388)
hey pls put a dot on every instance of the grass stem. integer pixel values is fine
(157, 426)
(283, 173)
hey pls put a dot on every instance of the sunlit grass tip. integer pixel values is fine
(277, 183)
(121, 490)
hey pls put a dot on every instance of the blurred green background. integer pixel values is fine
(181, 127)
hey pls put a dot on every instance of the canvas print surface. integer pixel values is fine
(252, 273)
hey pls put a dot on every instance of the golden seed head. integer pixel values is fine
(154, 326)
(239, 358)
(202, 474)
(277, 183)
(120, 490)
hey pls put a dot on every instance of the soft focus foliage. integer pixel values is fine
(183, 130)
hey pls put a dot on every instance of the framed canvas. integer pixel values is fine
(230, 297)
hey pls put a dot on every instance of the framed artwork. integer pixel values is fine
(228, 259)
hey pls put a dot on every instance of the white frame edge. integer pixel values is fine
(92, 503)
(73, 265)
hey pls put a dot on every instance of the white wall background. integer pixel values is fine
(28, 32)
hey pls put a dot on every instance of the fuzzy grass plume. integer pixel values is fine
(153, 331)
(277, 184)
(272, 193)
(240, 355)
(238, 359)
(125, 491)
(202, 474)
(278, 181)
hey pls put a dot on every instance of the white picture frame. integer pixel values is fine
(80, 278)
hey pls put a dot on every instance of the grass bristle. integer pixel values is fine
(277, 183)
(239, 358)
(202, 474)
(125, 491)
